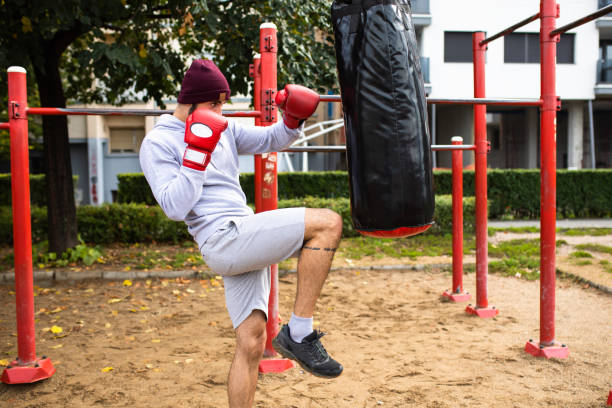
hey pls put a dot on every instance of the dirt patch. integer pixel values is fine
(170, 344)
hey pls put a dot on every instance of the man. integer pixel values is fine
(190, 160)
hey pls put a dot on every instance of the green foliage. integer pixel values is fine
(581, 254)
(38, 192)
(511, 194)
(604, 249)
(123, 47)
(129, 223)
(79, 254)
(519, 257)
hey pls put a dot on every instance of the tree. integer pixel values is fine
(117, 51)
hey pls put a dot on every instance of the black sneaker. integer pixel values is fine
(310, 353)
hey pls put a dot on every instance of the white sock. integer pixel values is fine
(299, 327)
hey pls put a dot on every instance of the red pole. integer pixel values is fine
(547, 347)
(482, 308)
(258, 178)
(26, 368)
(266, 179)
(456, 293)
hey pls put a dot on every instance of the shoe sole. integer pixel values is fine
(288, 354)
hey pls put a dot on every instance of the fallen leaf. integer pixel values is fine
(155, 341)
(4, 362)
(56, 329)
(127, 282)
(57, 346)
(107, 369)
(115, 300)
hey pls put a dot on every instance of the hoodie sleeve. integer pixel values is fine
(176, 188)
(257, 139)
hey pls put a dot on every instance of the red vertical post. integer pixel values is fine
(482, 308)
(547, 347)
(26, 368)
(256, 74)
(456, 293)
(266, 178)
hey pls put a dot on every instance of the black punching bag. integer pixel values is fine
(385, 117)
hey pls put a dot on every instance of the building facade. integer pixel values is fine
(104, 146)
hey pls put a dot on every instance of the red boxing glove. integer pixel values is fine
(203, 130)
(298, 103)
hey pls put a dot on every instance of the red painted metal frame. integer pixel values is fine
(124, 112)
(266, 182)
(5, 126)
(482, 308)
(456, 293)
(459, 101)
(547, 346)
(27, 367)
(610, 398)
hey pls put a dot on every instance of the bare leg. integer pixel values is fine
(322, 232)
(250, 344)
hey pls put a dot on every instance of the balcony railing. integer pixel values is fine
(419, 6)
(604, 71)
(425, 69)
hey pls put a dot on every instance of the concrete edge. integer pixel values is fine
(72, 276)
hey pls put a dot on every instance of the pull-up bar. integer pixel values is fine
(459, 101)
(342, 148)
(510, 29)
(580, 21)
(125, 112)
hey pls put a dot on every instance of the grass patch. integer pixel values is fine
(519, 257)
(604, 249)
(579, 232)
(412, 247)
(581, 254)
(583, 262)
(517, 230)
(606, 265)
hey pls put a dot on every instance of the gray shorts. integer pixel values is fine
(242, 251)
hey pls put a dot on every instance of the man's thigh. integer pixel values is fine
(255, 242)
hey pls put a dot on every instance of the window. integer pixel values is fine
(458, 46)
(126, 140)
(525, 48)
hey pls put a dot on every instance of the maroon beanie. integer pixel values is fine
(203, 82)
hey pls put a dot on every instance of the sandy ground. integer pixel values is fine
(170, 344)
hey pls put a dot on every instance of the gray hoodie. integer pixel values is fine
(205, 200)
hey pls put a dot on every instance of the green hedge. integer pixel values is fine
(128, 223)
(38, 193)
(514, 192)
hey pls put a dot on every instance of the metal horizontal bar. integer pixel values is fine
(5, 125)
(123, 112)
(330, 149)
(330, 98)
(485, 101)
(510, 29)
(583, 20)
(463, 101)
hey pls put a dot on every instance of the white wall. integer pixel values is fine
(449, 80)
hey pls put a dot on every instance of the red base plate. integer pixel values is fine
(23, 374)
(554, 351)
(277, 365)
(456, 297)
(482, 311)
(610, 398)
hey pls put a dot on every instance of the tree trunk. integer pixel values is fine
(61, 209)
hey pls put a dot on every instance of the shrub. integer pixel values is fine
(128, 223)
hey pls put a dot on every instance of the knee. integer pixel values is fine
(335, 224)
(253, 343)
